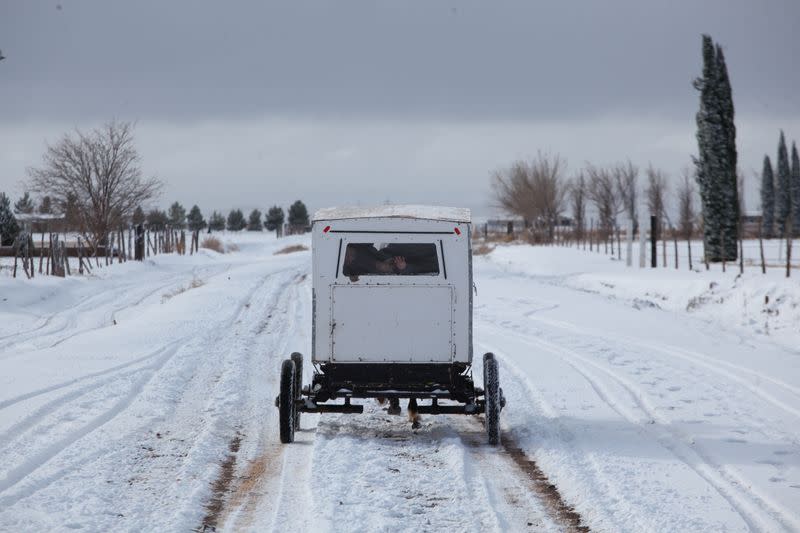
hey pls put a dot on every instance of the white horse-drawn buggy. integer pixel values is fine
(392, 318)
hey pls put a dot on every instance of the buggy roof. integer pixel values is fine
(422, 212)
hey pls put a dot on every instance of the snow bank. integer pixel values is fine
(767, 305)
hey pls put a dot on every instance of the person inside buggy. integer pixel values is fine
(390, 259)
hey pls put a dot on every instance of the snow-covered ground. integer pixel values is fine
(141, 398)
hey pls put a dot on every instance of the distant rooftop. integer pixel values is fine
(37, 217)
(424, 212)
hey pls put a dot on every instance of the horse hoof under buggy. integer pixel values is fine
(392, 318)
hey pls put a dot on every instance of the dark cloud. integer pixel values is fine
(472, 60)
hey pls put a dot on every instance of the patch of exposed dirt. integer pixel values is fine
(221, 487)
(196, 282)
(558, 509)
(292, 249)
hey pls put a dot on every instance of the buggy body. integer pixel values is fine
(392, 312)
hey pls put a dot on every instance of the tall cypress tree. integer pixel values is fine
(795, 172)
(767, 199)
(728, 174)
(716, 160)
(783, 199)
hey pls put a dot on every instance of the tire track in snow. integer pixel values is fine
(38, 392)
(520, 471)
(279, 479)
(216, 390)
(21, 473)
(89, 304)
(757, 513)
(33, 462)
(57, 403)
(709, 363)
(268, 461)
(579, 461)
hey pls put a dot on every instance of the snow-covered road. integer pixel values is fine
(142, 400)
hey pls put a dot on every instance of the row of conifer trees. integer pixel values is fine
(780, 193)
(177, 217)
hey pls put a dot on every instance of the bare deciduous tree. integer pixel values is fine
(534, 191)
(578, 196)
(657, 196)
(512, 191)
(686, 204)
(98, 175)
(605, 196)
(626, 177)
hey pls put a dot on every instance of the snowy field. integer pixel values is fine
(141, 399)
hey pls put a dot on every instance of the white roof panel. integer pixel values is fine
(424, 212)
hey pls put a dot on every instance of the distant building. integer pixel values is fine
(39, 222)
(751, 225)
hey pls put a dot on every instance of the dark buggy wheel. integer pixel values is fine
(491, 391)
(297, 357)
(286, 401)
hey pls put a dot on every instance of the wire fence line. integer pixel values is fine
(670, 249)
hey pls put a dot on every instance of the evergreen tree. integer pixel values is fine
(236, 221)
(24, 206)
(157, 220)
(177, 216)
(138, 216)
(729, 179)
(298, 214)
(46, 206)
(195, 219)
(767, 199)
(254, 222)
(275, 218)
(716, 160)
(8, 222)
(783, 195)
(795, 173)
(216, 222)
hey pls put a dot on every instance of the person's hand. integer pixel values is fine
(399, 263)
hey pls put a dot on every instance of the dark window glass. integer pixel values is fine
(394, 259)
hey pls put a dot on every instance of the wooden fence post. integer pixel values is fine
(741, 248)
(139, 252)
(761, 248)
(789, 247)
(653, 243)
(65, 255)
(41, 253)
(50, 255)
(675, 239)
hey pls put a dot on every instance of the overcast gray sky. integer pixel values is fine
(246, 104)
